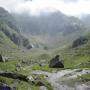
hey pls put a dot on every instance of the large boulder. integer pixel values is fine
(56, 62)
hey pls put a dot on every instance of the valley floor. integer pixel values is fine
(67, 79)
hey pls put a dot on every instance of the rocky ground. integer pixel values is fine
(61, 80)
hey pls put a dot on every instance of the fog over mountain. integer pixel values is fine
(86, 19)
(50, 23)
(51, 28)
(35, 7)
(48, 20)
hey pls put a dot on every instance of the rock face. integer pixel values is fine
(79, 41)
(1, 58)
(56, 62)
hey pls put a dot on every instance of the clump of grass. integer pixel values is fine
(10, 65)
(19, 86)
(84, 78)
(42, 68)
(41, 78)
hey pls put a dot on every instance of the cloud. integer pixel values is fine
(35, 7)
(67, 1)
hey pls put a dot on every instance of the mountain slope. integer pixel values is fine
(10, 29)
(6, 44)
(51, 23)
(7, 18)
(51, 28)
(78, 57)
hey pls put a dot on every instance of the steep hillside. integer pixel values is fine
(6, 45)
(10, 29)
(7, 18)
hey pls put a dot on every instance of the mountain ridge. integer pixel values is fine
(9, 27)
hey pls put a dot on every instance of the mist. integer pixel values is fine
(36, 7)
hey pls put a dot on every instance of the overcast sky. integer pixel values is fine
(35, 7)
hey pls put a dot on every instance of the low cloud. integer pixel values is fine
(35, 7)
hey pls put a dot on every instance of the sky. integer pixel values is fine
(36, 7)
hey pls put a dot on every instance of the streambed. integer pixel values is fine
(60, 80)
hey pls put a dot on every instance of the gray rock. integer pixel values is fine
(30, 79)
(40, 83)
(42, 88)
(14, 76)
(56, 62)
(2, 59)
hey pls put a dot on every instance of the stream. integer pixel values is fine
(61, 80)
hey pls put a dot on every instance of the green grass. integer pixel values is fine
(19, 86)
(6, 44)
(10, 65)
(22, 85)
(43, 68)
(74, 56)
(84, 78)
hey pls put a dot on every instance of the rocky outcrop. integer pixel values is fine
(2, 59)
(79, 41)
(14, 75)
(56, 62)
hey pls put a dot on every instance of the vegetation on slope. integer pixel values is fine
(9, 27)
(78, 56)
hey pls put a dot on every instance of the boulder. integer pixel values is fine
(31, 79)
(5, 87)
(42, 88)
(56, 62)
(2, 59)
(40, 83)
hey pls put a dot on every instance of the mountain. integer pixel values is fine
(51, 28)
(86, 19)
(7, 18)
(10, 33)
(51, 23)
